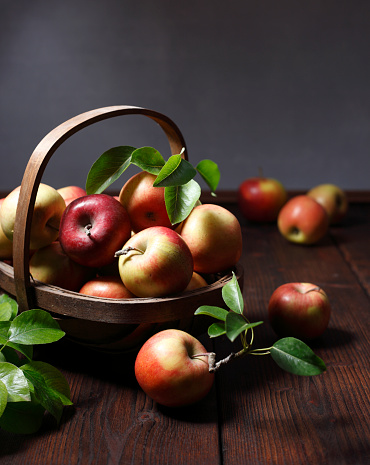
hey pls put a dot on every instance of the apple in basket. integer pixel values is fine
(110, 287)
(93, 228)
(70, 193)
(48, 210)
(155, 262)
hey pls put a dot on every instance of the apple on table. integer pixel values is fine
(333, 199)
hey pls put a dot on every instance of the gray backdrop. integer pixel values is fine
(278, 85)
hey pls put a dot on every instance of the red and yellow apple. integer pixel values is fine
(70, 193)
(214, 237)
(303, 220)
(155, 262)
(197, 281)
(171, 369)
(260, 199)
(110, 287)
(333, 199)
(300, 310)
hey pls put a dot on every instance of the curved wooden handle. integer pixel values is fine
(35, 169)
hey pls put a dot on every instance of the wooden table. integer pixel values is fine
(255, 413)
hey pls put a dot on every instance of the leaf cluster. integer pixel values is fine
(289, 353)
(176, 175)
(28, 388)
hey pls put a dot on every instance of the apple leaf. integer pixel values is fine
(215, 312)
(148, 159)
(176, 172)
(15, 382)
(8, 308)
(236, 324)
(209, 171)
(34, 327)
(216, 329)
(108, 168)
(180, 200)
(296, 357)
(22, 417)
(4, 328)
(3, 397)
(232, 295)
(8, 354)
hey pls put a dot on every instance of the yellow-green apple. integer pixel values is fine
(155, 262)
(300, 310)
(260, 199)
(70, 193)
(214, 237)
(172, 369)
(333, 199)
(110, 287)
(48, 209)
(197, 281)
(144, 203)
(51, 265)
(303, 220)
(92, 228)
(6, 245)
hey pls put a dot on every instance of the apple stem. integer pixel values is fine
(126, 250)
(88, 228)
(213, 365)
(316, 288)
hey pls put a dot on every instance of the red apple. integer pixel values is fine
(197, 281)
(110, 287)
(214, 237)
(170, 371)
(300, 310)
(155, 262)
(92, 228)
(303, 220)
(144, 203)
(51, 265)
(260, 199)
(70, 193)
(333, 199)
(48, 210)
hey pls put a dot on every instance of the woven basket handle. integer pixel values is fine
(35, 169)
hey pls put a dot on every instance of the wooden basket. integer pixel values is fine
(108, 324)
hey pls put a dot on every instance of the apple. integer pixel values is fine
(144, 203)
(48, 209)
(70, 193)
(110, 287)
(51, 265)
(300, 310)
(6, 245)
(171, 369)
(197, 281)
(260, 199)
(92, 228)
(214, 237)
(333, 199)
(155, 262)
(303, 220)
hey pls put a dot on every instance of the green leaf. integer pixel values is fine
(232, 295)
(148, 159)
(3, 397)
(15, 382)
(215, 312)
(216, 329)
(175, 172)
(5, 302)
(180, 200)
(26, 350)
(236, 324)
(108, 168)
(22, 417)
(296, 357)
(4, 329)
(34, 327)
(10, 355)
(210, 173)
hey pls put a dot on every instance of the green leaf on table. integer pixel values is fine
(26, 350)
(11, 356)
(176, 172)
(4, 329)
(215, 312)
(15, 382)
(236, 324)
(3, 397)
(5, 311)
(34, 327)
(148, 159)
(232, 295)
(5, 299)
(217, 329)
(22, 417)
(180, 200)
(296, 357)
(108, 168)
(210, 173)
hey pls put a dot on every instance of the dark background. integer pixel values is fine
(278, 85)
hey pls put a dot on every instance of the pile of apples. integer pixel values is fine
(124, 246)
(303, 219)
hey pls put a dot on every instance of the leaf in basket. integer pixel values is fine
(180, 200)
(148, 159)
(209, 171)
(34, 327)
(108, 168)
(8, 306)
(175, 172)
